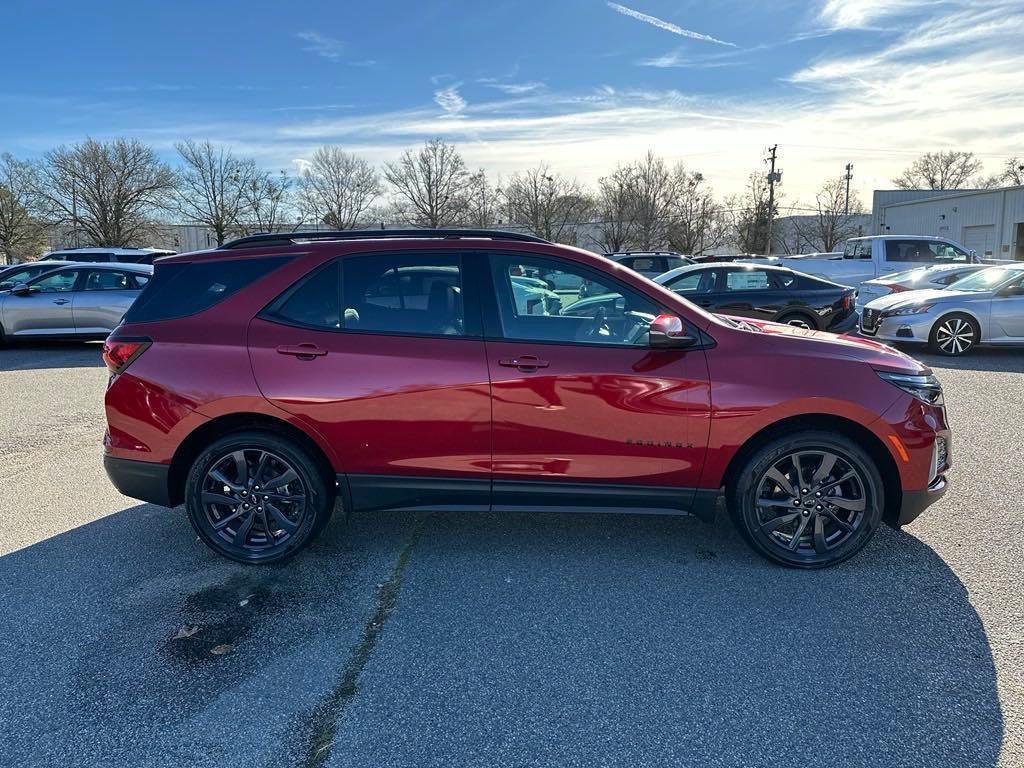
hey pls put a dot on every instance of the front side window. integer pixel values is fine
(58, 282)
(701, 281)
(908, 250)
(404, 294)
(610, 313)
(107, 280)
(944, 252)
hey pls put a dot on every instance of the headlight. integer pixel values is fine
(919, 309)
(924, 388)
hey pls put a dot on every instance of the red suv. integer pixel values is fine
(447, 370)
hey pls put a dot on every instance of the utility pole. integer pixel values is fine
(848, 177)
(74, 212)
(773, 177)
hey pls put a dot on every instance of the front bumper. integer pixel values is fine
(141, 480)
(906, 328)
(916, 502)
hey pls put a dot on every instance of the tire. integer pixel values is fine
(954, 335)
(218, 490)
(799, 320)
(770, 474)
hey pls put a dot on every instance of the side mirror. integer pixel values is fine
(668, 332)
(21, 290)
(973, 256)
(1013, 290)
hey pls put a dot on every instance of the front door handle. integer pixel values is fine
(302, 351)
(525, 363)
(62, 301)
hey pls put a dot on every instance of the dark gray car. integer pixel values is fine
(83, 301)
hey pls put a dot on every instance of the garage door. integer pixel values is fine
(981, 239)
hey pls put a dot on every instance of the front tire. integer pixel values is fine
(808, 499)
(954, 335)
(256, 497)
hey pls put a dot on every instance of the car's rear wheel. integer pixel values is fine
(799, 320)
(256, 497)
(954, 335)
(808, 499)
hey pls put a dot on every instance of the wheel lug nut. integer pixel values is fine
(818, 494)
(818, 507)
(805, 490)
(245, 506)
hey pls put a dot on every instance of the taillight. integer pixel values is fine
(895, 287)
(118, 354)
(848, 300)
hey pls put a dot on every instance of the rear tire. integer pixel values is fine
(954, 335)
(809, 499)
(798, 320)
(257, 497)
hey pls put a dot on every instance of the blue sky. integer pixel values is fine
(581, 84)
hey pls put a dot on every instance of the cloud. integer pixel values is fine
(513, 89)
(321, 45)
(861, 14)
(450, 100)
(678, 60)
(668, 26)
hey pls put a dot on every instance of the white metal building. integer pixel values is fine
(989, 221)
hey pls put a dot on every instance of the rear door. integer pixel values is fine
(748, 293)
(585, 412)
(101, 300)
(47, 310)
(382, 354)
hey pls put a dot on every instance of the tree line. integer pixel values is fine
(114, 193)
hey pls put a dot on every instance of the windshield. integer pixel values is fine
(986, 279)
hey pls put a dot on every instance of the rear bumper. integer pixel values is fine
(141, 480)
(845, 325)
(916, 502)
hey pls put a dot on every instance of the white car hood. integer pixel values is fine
(911, 298)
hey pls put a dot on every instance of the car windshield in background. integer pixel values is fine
(987, 279)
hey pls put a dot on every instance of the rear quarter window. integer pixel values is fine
(187, 288)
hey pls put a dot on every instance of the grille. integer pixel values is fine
(870, 318)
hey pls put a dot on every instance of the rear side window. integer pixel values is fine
(182, 289)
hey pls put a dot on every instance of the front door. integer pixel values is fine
(383, 356)
(585, 413)
(1008, 313)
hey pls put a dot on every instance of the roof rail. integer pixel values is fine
(290, 238)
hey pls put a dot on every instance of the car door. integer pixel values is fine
(747, 293)
(103, 296)
(585, 413)
(1007, 312)
(383, 355)
(46, 310)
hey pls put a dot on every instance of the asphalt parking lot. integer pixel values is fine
(514, 640)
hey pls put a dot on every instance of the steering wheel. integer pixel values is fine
(596, 325)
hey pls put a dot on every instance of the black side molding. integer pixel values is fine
(143, 480)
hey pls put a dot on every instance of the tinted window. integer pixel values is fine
(315, 302)
(107, 280)
(58, 282)
(407, 294)
(908, 250)
(944, 252)
(610, 314)
(181, 289)
(140, 280)
(808, 283)
(20, 275)
(701, 281)
(747, 280)
(857, 249)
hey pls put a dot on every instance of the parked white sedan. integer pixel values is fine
(984, 308)
(81, 301)
(937, 277)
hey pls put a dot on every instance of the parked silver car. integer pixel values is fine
(12, 274)
(79, 301)
(938, 276)
(984, 308)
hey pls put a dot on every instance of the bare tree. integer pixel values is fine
(268, 203)
(430, 183)
(831, 225)
(656, 188)
(942, 170)
(549, 204)
(748, 215)
(696, 221)
(1013, 173)
(481, 203)
(212, 186)
(21, 233)
(339, 187)
(109, 191)
(616, 209)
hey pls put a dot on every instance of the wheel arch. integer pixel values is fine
(807, 314)
(217, 428)
(968, 313)
(864, 437)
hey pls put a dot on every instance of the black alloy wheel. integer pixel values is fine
(256, 498)
(809, 500)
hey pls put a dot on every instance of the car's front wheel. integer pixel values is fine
(954, 335)
(808, 499)
(256, 497)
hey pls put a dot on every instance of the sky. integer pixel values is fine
(582, 85)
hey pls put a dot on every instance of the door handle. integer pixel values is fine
(525, 363)
(62, 301)
(704, 303)
(302, 351)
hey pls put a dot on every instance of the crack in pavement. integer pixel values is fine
(325, 716)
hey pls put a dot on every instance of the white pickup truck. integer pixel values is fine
(865, 258)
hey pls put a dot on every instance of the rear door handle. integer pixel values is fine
(62, 301)
(302, 351)
(525, 363)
